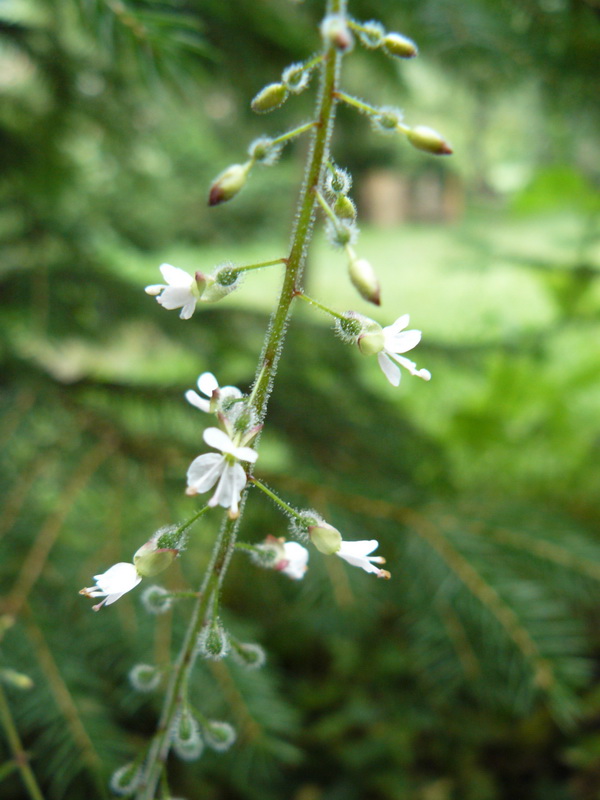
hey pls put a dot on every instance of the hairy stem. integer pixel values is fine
(265, 374)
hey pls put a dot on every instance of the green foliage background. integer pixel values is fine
(472, 673)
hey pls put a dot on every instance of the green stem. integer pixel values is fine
(295, 132)
(191, 520)
(287, 508)
(16, 746)
(365, 108)
(265, 374)
(326, 208)
(316, 304)
(260, 265)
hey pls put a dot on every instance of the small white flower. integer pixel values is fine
(357, 554)
(294, 562)
(224, 470)
(208, 385)
(113, 584)
(395, 341)
(181, 290)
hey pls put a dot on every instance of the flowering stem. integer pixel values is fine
(326, 208)
(265, 373)
(20, 756)
(260, 265)
(320, 306)
(191, 520)
(287, 508)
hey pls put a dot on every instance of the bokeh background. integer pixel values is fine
(472, 673)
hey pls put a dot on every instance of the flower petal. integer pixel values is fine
(229, 488)
(195, 400)
(389, 369)
(245, 454)
(188, 309)
(214, 437)
(398, 325)
(154, 289)
(176, 277)
(402, 342)
(207, 383)
(175, 297)
(119, 578)
(205, 471)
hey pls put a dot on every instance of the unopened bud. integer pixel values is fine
(187, 742)
(400, 46)
(344, 208)
(17, 679)
(126, 779)
(144, 677)
(219, 735)
(335, 31)
(424, 138)
(325, 538)
(263, 151)
(228, 183)
(213, 642)
(269, 98)
(149, 559)
(339, 181)
(365, 280)
(251, 656)
(387, 120)
(341, 233)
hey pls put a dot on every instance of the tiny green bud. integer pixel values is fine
(263, 151)
(325, 538)
(339, 181)
(187, 743)
(400, 46)
(228, 183)
(387, 120)
(371, 33)
(269, 98)
(365, 280)
(371, 342)
(17, 679)
(341, 232)
(213, 642)
(344, 208)
(251, 656)
(145, 677)
(296, 78)
(219, 735)
(149, 559)
(156, 600)
(424, 138)
(126, 779)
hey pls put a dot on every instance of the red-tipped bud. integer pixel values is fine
(228, 183)
(365, 280)
(424, 138)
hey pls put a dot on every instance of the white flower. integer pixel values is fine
(395, 341)
(357, 554)
(208, 385)
(114, 583)
(224, 470)
(181, 290)
(294, 562)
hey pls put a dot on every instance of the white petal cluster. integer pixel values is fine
(223, 469)
(214, 395)
(113, 584)
(357, 554)
(180, 290)
(396, 341)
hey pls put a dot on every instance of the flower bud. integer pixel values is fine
(219, 735)
(213, 642)
(325, 538)
(400, 46)
(335, 31)
(296, 78)
(339, 181)
(126, 779)
(263, 151)
(365, 280)
(371, 33)
(344, 208)
(144, 677)
(228, 183)
(269, 98)
(341, 232)
(17, 679)
(424, 138)
(187, 742)
(150, 559)
(251, 656)
(387, 120)
(156, 600)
